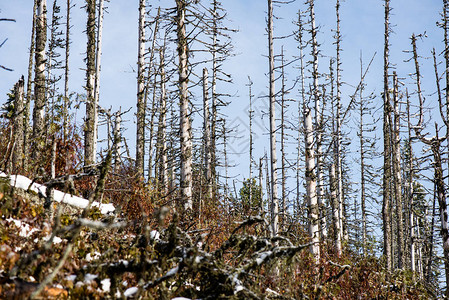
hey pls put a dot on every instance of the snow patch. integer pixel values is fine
(131, 291)
(25, 229)
(106, 285)
(90, 277)
(24, 183)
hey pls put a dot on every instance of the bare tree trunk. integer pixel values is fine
(311, 186)
(91, 105)
(117, 135)
(342, 227)
(300, 105)
(335, 209)
(283, 210)
(250, 112)
(151, 71)
(65, 122)
(18, 154)
(206, 129)
(140, 139)
(397, 174)
(273, 158)
(162, 143)
(97, 71)
(26, 114)
(186, 130)
(386, 206)
(362, 166)
(435, 144)
(318, 124)
(39, 78)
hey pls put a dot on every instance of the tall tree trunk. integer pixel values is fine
(18, 154)
(140, 139)
(335, 209)
(186, 130)
(386, 204)
(65, 122)
(97, 71)
(39, 78)
(273, 158)
(318, 123)
(91, 105)
(301, 104)
(206, 129)
(26, 113)
(397, 173)
(162, 136)
(214, 117)
(342, 226)
(362, 165)
(311, 186)
(250, 113)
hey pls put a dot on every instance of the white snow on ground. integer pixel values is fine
(131, 291)
(56, 240)
(24, 183)
(25, 229)
(106, 285)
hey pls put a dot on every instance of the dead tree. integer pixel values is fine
(91, 106)
(311, 185)
(18, 154)
(274, 205)
(39, 78)
(386, 204)
(140, 139)
(26, 113)
(318, 123)
(396, 139)
(435, 145)
(185, 126)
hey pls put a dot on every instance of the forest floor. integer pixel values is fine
(162, 255)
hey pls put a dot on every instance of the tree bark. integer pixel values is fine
(318, 124)
(91, 106)
(26, 114)
(140, 139)
(311, 186)
(397, 174)
(206, 138)
(18, 154)
(386, 209)
(185, 126)
(273, 157)
(39, 78)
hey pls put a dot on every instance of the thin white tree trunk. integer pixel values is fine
(98, 69)
(335, 210)
(397, 173)
(39, 77)
(19, 95)
(342, 233)
(273, 157)
(66, 74)
(140, 139)
(91, 107)
(163, 126)
(207, 139)
(186, 130)
(311, 186)
(318, 124)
